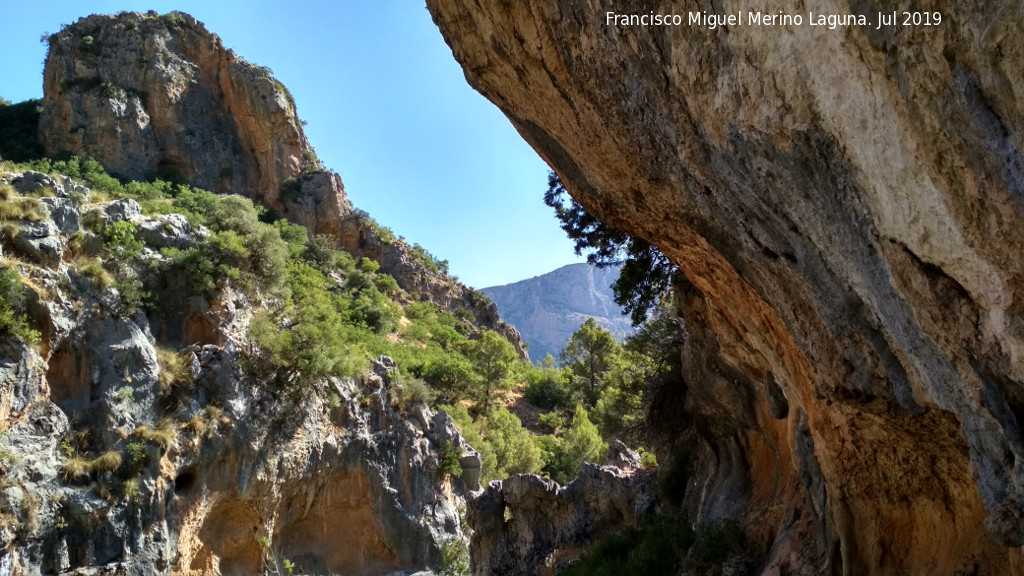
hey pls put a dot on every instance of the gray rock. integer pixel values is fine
(170, 231)
(64, 214)
(126, 209)
(32, 181)
(70, 186)
(41, 241)
(622, 456)
(518, 522)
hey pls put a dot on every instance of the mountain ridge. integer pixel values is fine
(548, 308)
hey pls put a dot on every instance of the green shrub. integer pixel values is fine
(411, 390)
(121, 241)
(564, 457)
(505, 447)
(658, 547)
(321, 252)
(546, 388)
(448, 460)
(451, 375)
(13, 298)
(454, 558)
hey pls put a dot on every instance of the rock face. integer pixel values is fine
(214, 475)
(526, 524)
(144, 93)
(547, 309)
(847, 207)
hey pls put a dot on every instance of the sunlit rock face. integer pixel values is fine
(847, 207)
(142, 93)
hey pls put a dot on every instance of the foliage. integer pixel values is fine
(454, 558)
(411, 390)
(552, 420)
(505, 447)
(493, 358)
(589, 355)
(121, 240)
(546, 387)
(448, 460)
(19, 130)
(13, 300)
(450, 374)
(646, 273)
(564, 457)
(658, 547)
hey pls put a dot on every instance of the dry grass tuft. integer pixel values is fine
(164, 435)
(174, 370)
(94, 269)
(75, 469)
(107, 462)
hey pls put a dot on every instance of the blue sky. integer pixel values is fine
(387, 107)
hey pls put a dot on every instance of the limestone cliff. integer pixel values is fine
(846, 206)
(143, 443)
(547, 309)
(149, 95)
(143, 93)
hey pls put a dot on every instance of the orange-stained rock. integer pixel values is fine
(145, 93)
(848, 208)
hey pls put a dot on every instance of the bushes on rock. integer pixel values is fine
(13, 319)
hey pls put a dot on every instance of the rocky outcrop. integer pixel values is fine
(146, 94)
(115, 459)
(547, 309)
(846, 205)
(529, 525)
(159, 96)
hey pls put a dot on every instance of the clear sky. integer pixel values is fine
(387, 107)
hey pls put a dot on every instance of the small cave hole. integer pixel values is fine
(184, 482)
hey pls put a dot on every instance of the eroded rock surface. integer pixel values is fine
(527, 524)
(213, 474)
(152, 95)
(143, 93)
(846, 205)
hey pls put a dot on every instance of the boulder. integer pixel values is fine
(126, 209)
(64, 214)
(40, 240)
(170, 231)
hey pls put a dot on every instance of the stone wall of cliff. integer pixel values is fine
(847, 207)
(150, 95)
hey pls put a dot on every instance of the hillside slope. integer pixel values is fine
(547, 309)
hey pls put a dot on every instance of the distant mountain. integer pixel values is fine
(547, 309)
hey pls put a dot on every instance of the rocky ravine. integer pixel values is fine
(145, 93)
(209, 478)
(547, 309)
(847, 206)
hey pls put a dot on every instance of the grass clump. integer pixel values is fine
(13, 300)
(175, 372)
(93, 269)
(164, 434)
(76, 469)
(109, 461)
(29, 209)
